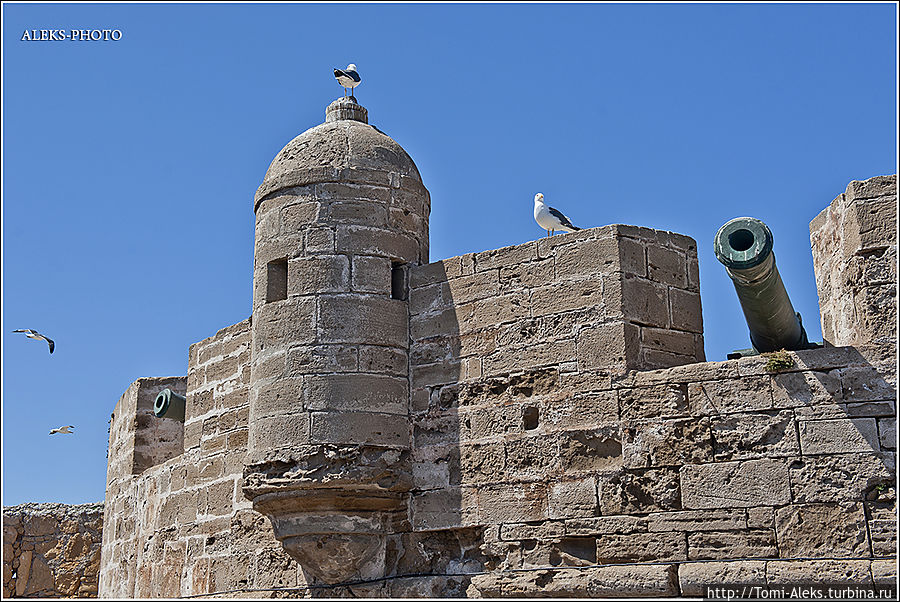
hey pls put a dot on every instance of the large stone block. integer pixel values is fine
(667, 443)
(613, 345)
(318, 274)
(744, 484)
(640, 547)
(357, 319)
(822, 530)
(730, 396)
(839, 436)
(359, 427)
(639, 491)
(787, 573)
(756, 435)
(356, 393)
(839, 477)
(575, 498)
(721, 545)
(697, 520)
(513, 502)
(694, 578)
(658, 401)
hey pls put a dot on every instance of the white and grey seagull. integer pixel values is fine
(347, 78)
(34, 334)
(551, 219)
(63, 430)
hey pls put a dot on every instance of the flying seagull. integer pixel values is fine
(347, 78)
(551, 219)
(64, 430)
(34, 334)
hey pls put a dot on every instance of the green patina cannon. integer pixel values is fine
(744, 246)
(169, 404)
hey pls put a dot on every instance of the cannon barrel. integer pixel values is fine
(744, 246)
(169, 404)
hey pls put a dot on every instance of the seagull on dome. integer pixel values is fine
(34, 334)
(347, 78)
(63, 430)
(551, 219)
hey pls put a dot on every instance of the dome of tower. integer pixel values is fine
(343, 149)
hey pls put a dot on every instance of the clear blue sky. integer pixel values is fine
(129, 167)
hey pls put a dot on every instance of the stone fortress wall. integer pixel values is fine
(51, 550)
(534, 420)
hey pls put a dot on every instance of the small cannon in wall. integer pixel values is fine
(744, 246)
(169, 404)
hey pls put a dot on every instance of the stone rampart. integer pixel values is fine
(51, 550)
(182, 526)
(532, 420)
(854, 244)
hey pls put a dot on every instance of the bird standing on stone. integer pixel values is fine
(347, 78)
(551, 219)
(34, 334)
(63, 430)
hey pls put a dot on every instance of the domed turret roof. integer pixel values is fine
(340, 150)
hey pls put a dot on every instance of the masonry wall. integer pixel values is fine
(567, 439)
(51, 550)
(854, 244)
(181, 527)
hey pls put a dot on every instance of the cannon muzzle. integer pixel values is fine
(169, 404)
(744, 246)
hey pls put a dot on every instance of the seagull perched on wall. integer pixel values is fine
(34, 334)
(551, 219)
(347, 78)
(64, 430)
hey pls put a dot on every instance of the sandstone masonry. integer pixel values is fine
(51, 550)
(536, 420)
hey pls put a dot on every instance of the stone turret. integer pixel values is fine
(340, 214)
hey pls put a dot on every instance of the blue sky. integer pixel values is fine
(129, 167)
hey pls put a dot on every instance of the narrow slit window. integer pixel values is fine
(276, 280)
(398, 281)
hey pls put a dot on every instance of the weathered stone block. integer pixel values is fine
(786, 573)
(827, 530)
(838, 478)
(639, 491)
(667, 443)
(318, 274)
(606, 524)
(357, 319)
(729, 396)
(359, 427)
(645, 302)
(801, 389)
(317, 359)
(587, 258)
(667, 266)
(513, 502)
(653, 402)
(614, 345)
(761, 434)
(570, 499)
(694, 578)
(590, 450)
(762, 482)
(697, 520)
(715, 545)
(640, 547)
(580, 412)
(383, 360)
(279, 432)
(839, 436)
(356, 392)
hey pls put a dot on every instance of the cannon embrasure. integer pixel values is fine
(169, 404)
(744, 246)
